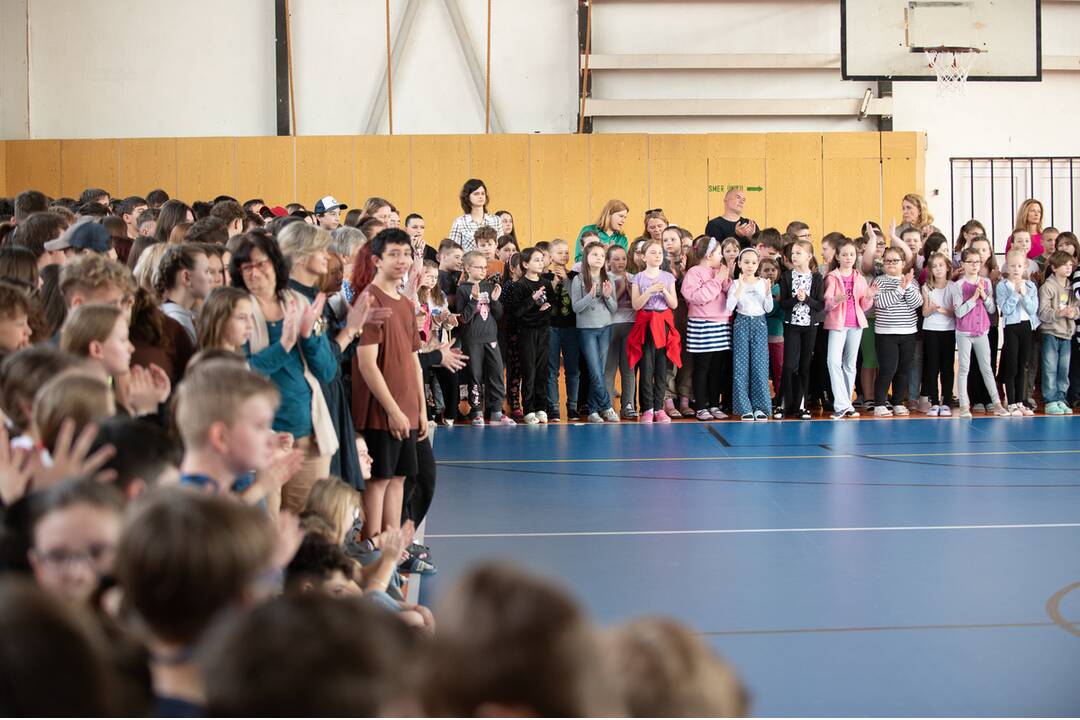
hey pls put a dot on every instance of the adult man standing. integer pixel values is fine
(732, 223)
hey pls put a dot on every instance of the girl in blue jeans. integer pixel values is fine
(593, 297)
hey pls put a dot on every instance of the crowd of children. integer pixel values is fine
(218, 415)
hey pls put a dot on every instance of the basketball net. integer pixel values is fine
(952, 65)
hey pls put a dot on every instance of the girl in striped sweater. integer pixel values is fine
(708, 328)
(896, 308)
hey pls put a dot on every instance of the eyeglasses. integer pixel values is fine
(891, 261)
(261, 266)
(60, 558)
(973, 262)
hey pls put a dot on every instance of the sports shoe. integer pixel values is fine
(851, 413)
(965, 411)
(416, 566)
(1015, 411)
(646, 417)
(629, 413)
(944, 411)
(777, 413)
(900, 410)
(499, 418)
(661, 417)
(531, 419)
(838, 415)
(1025, 410)
(594, 419)
(868, 406)
(552, 417)
(543, 416)
(1065, 409)
(478, 421)
(999, 411)
(703, 415)
(760, 415)
(747, 416)
(448, 422)
(610, 415)
(882, 411)
(924, 405)
(978, 408)
(933, 411)
(717, 413)
(804, 414)
(1055, 408)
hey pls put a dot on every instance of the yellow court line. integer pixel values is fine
(755, 457)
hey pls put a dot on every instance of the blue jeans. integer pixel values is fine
(564, 340)
(1055, 368)
(595, 343)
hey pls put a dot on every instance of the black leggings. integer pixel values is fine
(1014, 359)
(652, 374)
(820, 384)
(706, 379)
(419, 488)
(895, 353)
(798, 352)
(939, 352)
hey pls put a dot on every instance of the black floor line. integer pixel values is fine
(718, 436)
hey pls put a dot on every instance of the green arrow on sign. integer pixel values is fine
(755, 189)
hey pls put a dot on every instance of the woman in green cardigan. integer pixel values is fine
(608, 227)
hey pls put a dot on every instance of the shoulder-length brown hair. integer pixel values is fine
(611, 207)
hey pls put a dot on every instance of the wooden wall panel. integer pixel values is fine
(560, 189)
(439, 166)
(679, 179)
(383, 170)
(266, 168)
(88, 163)
(793, 178)
(902, 163)
(205, 168)
(852, 181)
(619, 169)
(502, 161)
(737, 159)
(33, 165)
(324, 166)
(146, 164)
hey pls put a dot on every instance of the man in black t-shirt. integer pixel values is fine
(732, 223)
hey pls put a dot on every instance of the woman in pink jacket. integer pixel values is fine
(708, 326)
(847, 298)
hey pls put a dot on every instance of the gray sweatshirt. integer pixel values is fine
(592, 311)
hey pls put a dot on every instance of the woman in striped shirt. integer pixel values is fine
(896, 307)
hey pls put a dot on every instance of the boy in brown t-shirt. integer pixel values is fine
(387, 388)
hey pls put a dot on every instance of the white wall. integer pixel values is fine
(13, 68)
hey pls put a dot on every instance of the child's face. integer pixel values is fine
(982, 245)
(828, 253)
(430, 279)
(395, 261)
(687, 245)
(506, 224)
(672, 244)
(116, 350)
(879, 250)
(416, 228)
(1015, 268)
(560, 254)
(451, 260)
(939, 269)
(476, 269)
(364, 456)
(1049, 240)
(894, 264)
(217, 271)
(547, 257)
(536, 263)
(1064, 271)
(748, 264)
(914, 241)
(506, 252)
(617, 262)
(655, 228)
(654, 256)
(1021, 241)
(73, 548)
(240, 324)
(731, 251)
(250, 441)
(595, 259)
(799, 257)
(14, 332)
(487, 247)
(847, 256)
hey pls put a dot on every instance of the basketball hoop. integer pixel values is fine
(952, 65)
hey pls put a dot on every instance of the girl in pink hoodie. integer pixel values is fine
(847, 298)
(708, 326)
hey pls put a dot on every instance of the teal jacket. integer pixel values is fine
(614, 239)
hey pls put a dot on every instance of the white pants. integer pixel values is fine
(843, 352)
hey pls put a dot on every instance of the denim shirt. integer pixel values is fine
(1009, 302)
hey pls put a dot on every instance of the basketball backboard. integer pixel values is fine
(885, 39)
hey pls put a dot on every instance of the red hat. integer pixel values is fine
(278, 211)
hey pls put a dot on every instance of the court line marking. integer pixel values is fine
(881, 628)
(837, 456)
(749, 531)
(1053, 608)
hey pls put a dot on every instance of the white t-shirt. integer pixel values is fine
(936, 320)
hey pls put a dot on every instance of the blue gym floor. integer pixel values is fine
(904, 567)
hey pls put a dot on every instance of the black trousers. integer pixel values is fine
(977, 392)
(485, 377)
(895, 353)
(1074, 372)
(939, 352)
(448, 383)
(798, 352)
(420, 488)
(706, 379)
(652, 375)
(820, 383)
(1015, 354)
(534, 368)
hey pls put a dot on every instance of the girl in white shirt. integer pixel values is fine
(750, 297)
(939, 336)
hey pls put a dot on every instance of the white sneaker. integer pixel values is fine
(933, 411)
(610, 415)
(999, 411)
(882, 411)
(965, 412)
(978, 408)
(541, 416)
(595, 418)
(900, 410)
(531, 419)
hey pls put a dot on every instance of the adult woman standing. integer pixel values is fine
(474, 200)
(285, 347)
(914, 212)
(608, 227)
(1029, 217)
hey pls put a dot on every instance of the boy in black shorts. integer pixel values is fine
(388, 389)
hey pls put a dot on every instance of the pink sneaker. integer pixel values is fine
(646, 417)
(662, 417)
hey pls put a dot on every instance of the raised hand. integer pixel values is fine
(160, 380)
(15, 469)
(475, 294)
(141, 394)
(907, 278)
(800, 295)
(607, 288)
(310, 314)
(363, 313)
(722, 273)
(496, 292)
(70, 457)
(289, 329)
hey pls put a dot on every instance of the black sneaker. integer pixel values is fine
(805, 415)
(778, 413)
